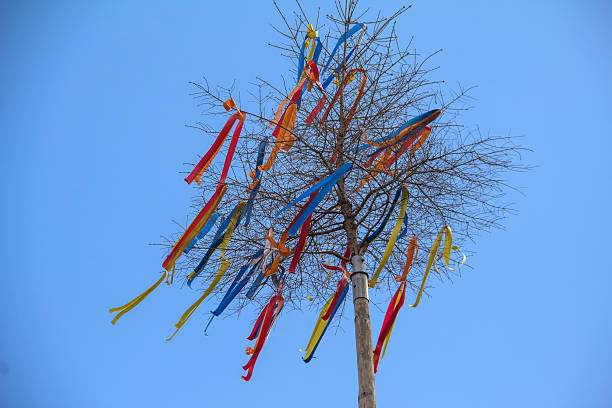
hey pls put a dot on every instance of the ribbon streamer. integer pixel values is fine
(205, 230)
(322, 325)
(410, 126)
(325, 187)
(393, 237)
(134, 302)
(230, 223)
(385, 332)
(203, 164)
(262, 330)
(448, 242)
(356, 28)
(222, 269)
(370, 238)
(194, 228)
(239, 282)
(413, 252)
(311, 34)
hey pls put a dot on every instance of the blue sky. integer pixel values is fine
(94, 96)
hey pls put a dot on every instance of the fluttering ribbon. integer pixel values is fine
(414, 141)
(411, 254)
(203, 164)
(387, 327)
(393, 238)
(410, 126)
(325, 187)
(205, 230)
(254, 187)
(353, 30)
(339, 289)
(301, 244)
(134, 302)
(228, 225)
(322, 324)
(448, 245)
(194, 228)
(284, 118)
(299, 247)
(309, 41)
(261, 329)
(222, 269)
(239, 282)
(370, 238)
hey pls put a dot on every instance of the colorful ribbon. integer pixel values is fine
(409, 127)
(203, 164)
(322, 325)
(194, 228)
(239, 282)
(448, 245)
(325, 187)
(385, 332)
(393, 237)
(222, 269)
(261, 329)
(205, 230)
(411, 254)
(389, 157)
(311, 34)
(219, 239)
(370, 238)
(134, 302)
(356, 28)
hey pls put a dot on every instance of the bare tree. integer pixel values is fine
(453, 176)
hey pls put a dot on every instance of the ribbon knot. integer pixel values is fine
(229, 104)
(311, 34)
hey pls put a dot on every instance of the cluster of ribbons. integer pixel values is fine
(266, 263)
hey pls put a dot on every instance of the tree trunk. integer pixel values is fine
(363, 333)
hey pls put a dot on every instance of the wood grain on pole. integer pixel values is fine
(363, 334)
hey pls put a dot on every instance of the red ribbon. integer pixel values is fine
(339, 288)
(263, 324)
(392, 311)
(178, 246)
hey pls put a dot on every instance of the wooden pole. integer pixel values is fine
(363, 333)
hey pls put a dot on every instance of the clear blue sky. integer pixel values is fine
(94, 96)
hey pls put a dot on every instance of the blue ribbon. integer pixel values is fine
(340, 41)
(325, 187)
(215, 244)
(249, 207)
(256, 284)
(238, 283)
(403, 233)
(382, 225)
(207, 227)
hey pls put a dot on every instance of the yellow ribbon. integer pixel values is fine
(318, 329)
(448, 242)
(393, 239)
(311, 34)
(222, 269)
(131, 304)
(348, 81)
